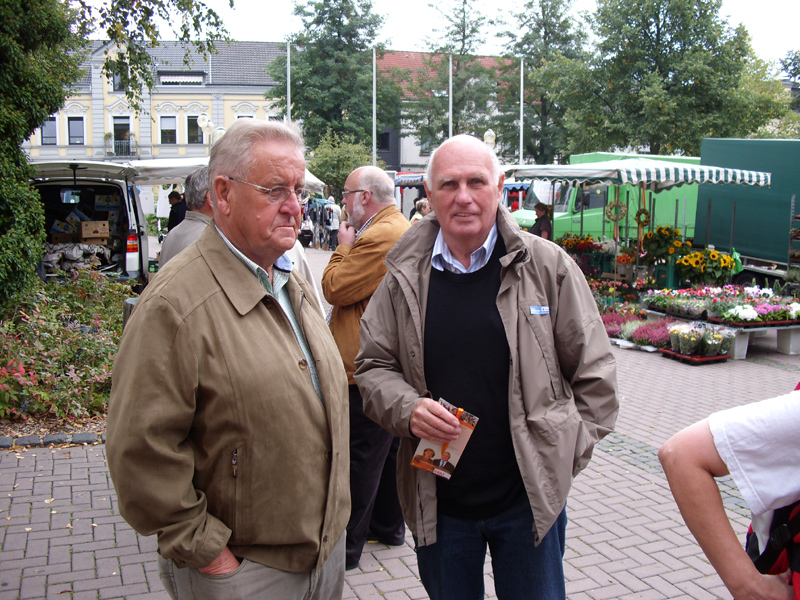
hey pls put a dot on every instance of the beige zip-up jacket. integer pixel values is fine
(562, 377)
(216, 434)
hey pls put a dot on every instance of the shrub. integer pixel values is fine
(653, 333)
(57, 347)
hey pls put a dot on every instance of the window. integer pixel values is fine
(122, 136)
(194, 135)
(169, 130)
(49, 137)
(593, 198)
(75, 125)
(181, 78)
(244, 116)
(116, 84)
(383, 141)
(275, 118)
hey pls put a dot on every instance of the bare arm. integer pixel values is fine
(691, 462)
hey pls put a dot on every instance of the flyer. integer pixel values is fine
(441, 459)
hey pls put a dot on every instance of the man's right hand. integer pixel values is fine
(347, 234)
(766, 587)
(432, 421)
(225, 563)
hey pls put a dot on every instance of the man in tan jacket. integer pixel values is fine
(502, 324)
(352, 275)
(227, 426)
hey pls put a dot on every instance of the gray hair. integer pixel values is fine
(196, 188)
(377, 182)
(422, 203)
(232, 155)
(496, 170)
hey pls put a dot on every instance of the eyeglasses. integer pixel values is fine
(344, 193)
(280, 193)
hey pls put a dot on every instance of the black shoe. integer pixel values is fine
(350, 566)
(373, 538)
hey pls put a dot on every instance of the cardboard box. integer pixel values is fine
(94, 230)
(63, 238)
(107, 202)
(76, 217)
(95, 241)
(58, 227)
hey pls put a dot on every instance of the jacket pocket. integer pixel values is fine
(542, 329)
(228, 496)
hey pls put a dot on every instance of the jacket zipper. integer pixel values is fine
(235, 463)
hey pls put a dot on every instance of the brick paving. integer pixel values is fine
(61, 535)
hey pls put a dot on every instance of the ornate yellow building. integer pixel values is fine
(182, 111)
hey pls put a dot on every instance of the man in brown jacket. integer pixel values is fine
(502, 324)
(352, 275)
(227, 426)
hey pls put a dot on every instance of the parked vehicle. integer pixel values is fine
(75, 191)
(582, 211)
(761, 224)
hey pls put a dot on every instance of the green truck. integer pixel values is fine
(568, 200)
(760, 223)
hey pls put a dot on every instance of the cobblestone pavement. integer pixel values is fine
(61, 535)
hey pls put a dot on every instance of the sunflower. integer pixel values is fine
(696, 263)
(714, 255)
(677, 243)
(648, 235)
(687, 243)
(671, 251)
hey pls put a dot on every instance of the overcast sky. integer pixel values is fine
(410, 23)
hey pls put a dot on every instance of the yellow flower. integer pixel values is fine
(677, 243)
(687, 243)
(648, 235)
(714, 255)
(671, 251)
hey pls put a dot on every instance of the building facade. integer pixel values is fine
(180, 114)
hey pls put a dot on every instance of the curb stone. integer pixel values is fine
(55, 439)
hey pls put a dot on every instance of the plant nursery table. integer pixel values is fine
(788, 336)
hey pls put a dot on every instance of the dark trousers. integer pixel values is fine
(373, 483)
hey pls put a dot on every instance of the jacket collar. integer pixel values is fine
(417, 243)
(238, 283)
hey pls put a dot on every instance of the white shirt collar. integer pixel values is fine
(443, 260)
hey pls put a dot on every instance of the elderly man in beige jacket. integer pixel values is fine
(502, 324)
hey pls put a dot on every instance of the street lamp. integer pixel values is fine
(489, 138)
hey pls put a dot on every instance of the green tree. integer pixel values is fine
(543, 31)
(39, 60)
(791, 66)
(331, 75)
(667, 73)
(336, 157)
(426, 115)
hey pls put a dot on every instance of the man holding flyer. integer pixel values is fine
(476, 314)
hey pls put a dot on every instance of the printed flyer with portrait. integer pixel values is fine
(441, 459)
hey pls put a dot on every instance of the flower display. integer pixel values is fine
(705, 266)
(662, 244)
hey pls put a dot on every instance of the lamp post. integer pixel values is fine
(204, 122)
(489, 138)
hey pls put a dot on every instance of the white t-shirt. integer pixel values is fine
(336, 215)
(760, 444)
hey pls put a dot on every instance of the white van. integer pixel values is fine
(75, 191)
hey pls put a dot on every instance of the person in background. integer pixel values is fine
(423, 208)
(177, 210)
(514, 205)
(542, 226)
(502, 324)
(333, 223)
(199, 215)
(355, 270)
(227, 422)
(757, 444)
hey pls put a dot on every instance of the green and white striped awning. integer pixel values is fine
(653, 174)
